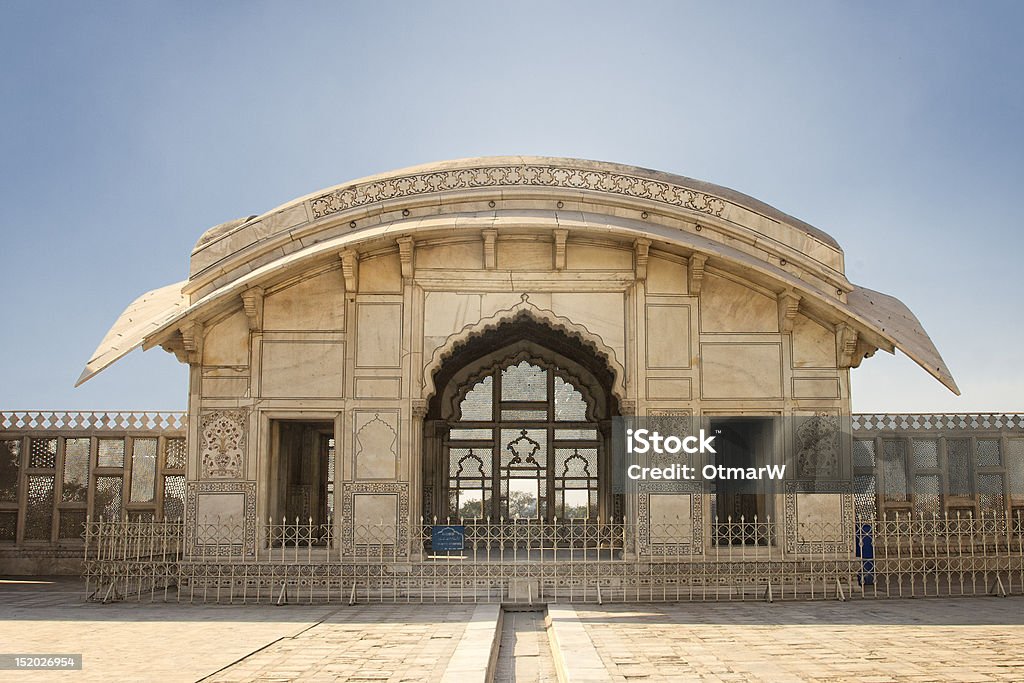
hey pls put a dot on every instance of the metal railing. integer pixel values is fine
(579, 561)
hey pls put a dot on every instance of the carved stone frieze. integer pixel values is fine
(516, 175)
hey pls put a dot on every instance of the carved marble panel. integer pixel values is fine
(375, 449)
(222, 443)
(362, 529)
(220, 518)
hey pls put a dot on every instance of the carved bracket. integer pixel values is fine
(696, 271)
(175, 345)
(252, 302)
(192, 341)
(490, 256)
(643, 251)
(789, 306)
(846, 339)
(560, 237)
(405, 250)
(350, 270)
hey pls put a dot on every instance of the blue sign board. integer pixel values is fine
(448, 537)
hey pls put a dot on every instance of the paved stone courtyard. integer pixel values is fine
(969, 639)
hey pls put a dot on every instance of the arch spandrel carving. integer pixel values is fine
(524, 310)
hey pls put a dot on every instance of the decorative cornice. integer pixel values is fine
(515, 175)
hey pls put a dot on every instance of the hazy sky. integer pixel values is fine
(127, 129)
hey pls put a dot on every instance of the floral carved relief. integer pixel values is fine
(222, 443)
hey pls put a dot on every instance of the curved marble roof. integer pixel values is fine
(516, 193)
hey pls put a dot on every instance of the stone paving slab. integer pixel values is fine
(967, 639)
(361, 643)
(180, 642)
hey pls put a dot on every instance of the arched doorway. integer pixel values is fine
(519, 430)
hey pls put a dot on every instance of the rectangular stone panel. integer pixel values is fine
(454, 256)
(668, 336)
(316, 303)
(379, 335)
(665, 277)
(671, 518)
(814, 345)
(741, 370)
(524, 254)
(375, 449)
(669, 388)
(819, 517)
(220, 518)
(225, 387)
(816, 387)
(227, 342)
(594, 257)
(376, 517)
(378, 387)
(727, 306)
(303, 369)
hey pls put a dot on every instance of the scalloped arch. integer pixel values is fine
(543, 316)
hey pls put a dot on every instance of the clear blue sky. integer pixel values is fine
(128, 128)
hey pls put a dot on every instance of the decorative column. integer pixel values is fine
(416, 462)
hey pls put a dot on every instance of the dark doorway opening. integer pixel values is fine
(742, 508)
(304, 494)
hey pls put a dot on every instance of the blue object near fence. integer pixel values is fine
(866, 553)
(447, 537)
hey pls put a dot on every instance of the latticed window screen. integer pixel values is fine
(174, 496)
(174, 458)
(143, 470)
(10, 469)
(39, 513)
(42, 453)
(75, 486)
(111, 453)
(523, 447)
(936, 474)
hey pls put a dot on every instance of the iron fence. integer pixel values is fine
(581, 561)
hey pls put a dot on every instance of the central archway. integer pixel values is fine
(519, 428)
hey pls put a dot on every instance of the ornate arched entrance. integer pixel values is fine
(518, 429)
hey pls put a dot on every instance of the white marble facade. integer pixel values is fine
(340, 308)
